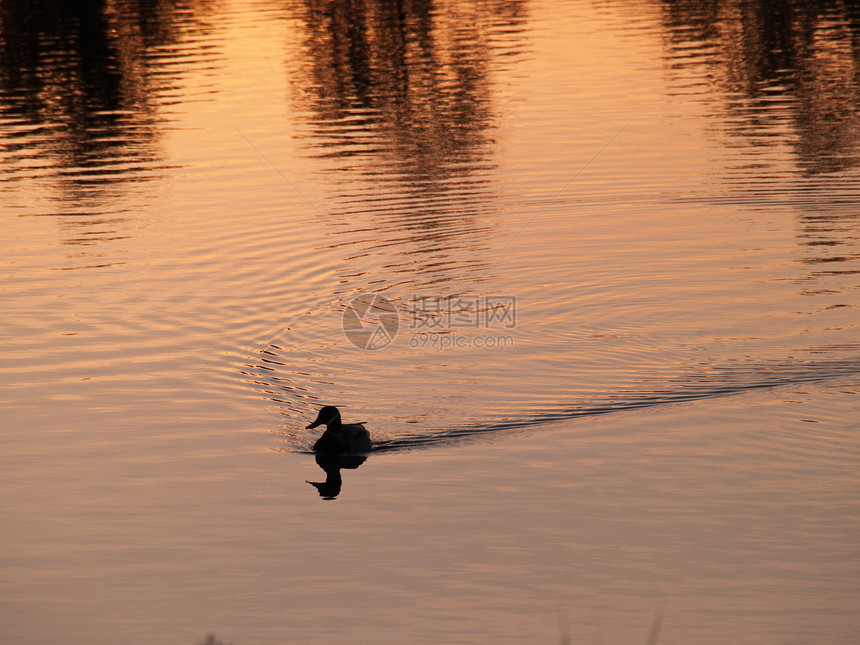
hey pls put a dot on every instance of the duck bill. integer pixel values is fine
(314, 424)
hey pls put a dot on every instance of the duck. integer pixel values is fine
(339, 437)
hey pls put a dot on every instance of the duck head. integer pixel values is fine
(328, 416)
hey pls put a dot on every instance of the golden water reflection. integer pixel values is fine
(669, 191)
(405, 88)
(400, 99)
(83, 81)
(781, 72)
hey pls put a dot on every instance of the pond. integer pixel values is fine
(589, 272)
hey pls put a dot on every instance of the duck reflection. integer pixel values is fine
(332, 465)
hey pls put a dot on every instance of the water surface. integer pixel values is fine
(622, 247)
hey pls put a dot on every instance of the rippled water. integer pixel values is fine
(621, 247)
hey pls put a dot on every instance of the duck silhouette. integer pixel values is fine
(340, 438)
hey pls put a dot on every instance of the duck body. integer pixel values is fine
(339, 437)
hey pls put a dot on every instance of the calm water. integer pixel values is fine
(619, 243)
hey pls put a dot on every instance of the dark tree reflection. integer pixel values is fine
(399, 95)
(76, 78)
(787, 74)
(779, 65)
(406, 82)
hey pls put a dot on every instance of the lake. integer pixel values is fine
(589, 272)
